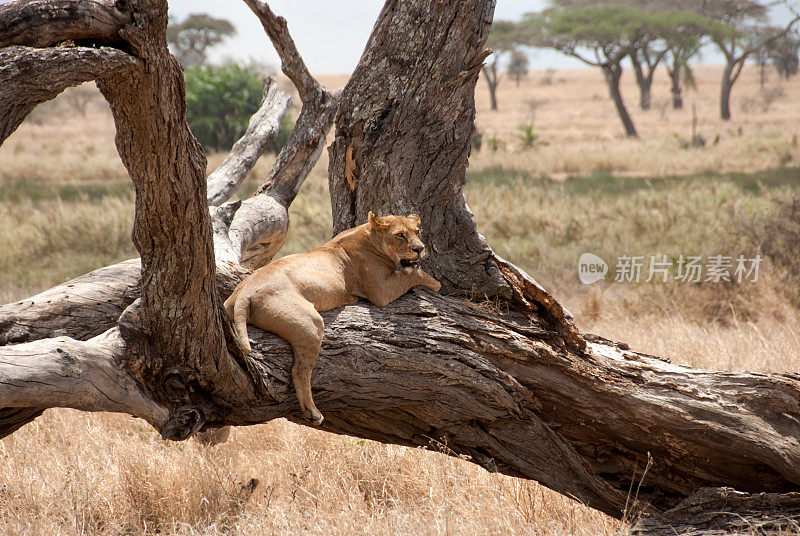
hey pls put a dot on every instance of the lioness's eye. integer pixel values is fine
(401, 235)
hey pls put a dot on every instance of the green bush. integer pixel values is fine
(219, 103)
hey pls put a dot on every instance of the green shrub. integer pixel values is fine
(219, 103)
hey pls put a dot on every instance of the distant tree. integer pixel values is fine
(600, 36)
(518, 66)
(191, 38)
(784, 54)
(502, 40)
(743, 32)
(684, 34)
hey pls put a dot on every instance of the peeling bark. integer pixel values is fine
(520, 392)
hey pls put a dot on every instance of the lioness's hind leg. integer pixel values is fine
(301, 325)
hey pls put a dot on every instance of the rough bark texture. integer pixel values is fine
(519, 392)
(30, 76)
(403, 136)
(179, 326)
(721, 511)
(42, 23)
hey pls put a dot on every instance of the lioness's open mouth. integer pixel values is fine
(408, 263)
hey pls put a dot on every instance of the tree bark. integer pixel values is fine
(30, 76)
(178, 330)
(432, 371)
(613, 74)
(401, 151)
(723, 511)
(43, 23)
(643, 80)
(517, 390)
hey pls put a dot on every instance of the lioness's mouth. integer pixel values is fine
(409, 263)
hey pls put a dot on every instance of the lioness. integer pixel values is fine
(378, 260)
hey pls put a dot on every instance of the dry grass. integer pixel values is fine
(576, 120)
(74, 473)
(65, 208)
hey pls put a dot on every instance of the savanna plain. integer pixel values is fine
(577, 186)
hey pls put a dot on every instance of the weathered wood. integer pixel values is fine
(430, 370)
(262, 129)
(520, 392)
(88, 305)
(179, 319)
(42, 23)
(722, 511)
(30, 76)
(252, 232)
(62, 372)
(403, 137)
(433, 371)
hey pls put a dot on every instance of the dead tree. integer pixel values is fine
(515, 388)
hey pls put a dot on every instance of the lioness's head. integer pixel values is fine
(399, 237)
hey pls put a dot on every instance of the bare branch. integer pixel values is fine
(262, 129)
(292, 63)
(63, 372)
(42, 23)
(30, 76)
(88, 305)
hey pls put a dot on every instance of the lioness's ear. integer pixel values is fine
(414, 218)
(377, 222)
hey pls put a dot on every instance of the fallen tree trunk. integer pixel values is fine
(449, 375)
(518, 391)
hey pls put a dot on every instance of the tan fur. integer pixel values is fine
(377, 261)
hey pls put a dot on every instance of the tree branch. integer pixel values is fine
(723, 511)
(292, 63)
(43, 23)
(262, 129)
(30, 76)
(63, 372)
(434, 371)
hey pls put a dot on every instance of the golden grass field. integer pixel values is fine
(66, 208)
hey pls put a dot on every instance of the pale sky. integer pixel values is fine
(331, 34)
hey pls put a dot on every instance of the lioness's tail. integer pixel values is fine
(241, 310)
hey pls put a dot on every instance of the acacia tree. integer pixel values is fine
(501, 41)
(518, 66)
(685, 34)
(601, 37)
(743, 32)
(516, 389)
(193, 36)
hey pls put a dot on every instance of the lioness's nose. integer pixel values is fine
(418, 249)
